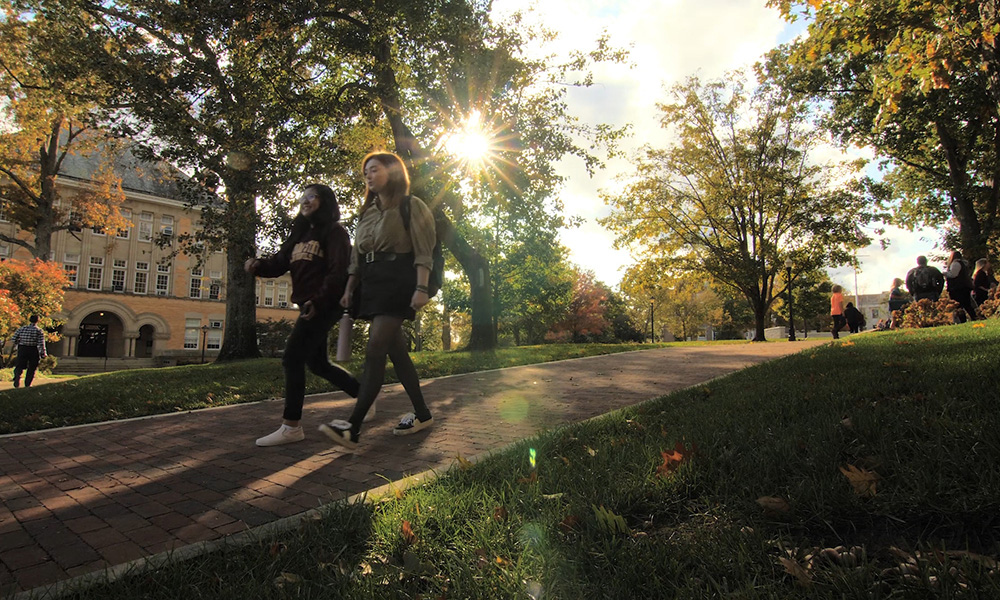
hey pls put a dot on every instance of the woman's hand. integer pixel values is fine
(420, 298)
(308, 310)
(250, 266)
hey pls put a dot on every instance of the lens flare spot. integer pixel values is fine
(531, 457)
(513, 409)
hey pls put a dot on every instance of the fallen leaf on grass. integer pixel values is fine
(463, 462)
(847, 343)
(774, 504)
(503, 562)
(570, 524)
(862, 480)
(792, 567)
(978, 325)
(499, 514)
(673, 460)
(530, 478)
(408, 534)
(287, 579)
(398, 492)
(277, 548)
(590, 450)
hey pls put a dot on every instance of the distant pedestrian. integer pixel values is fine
(316, 252)
(924, 281)
(390, 271)
(898, 298)
(837, 310)
(30, 343)
(855, 320)
(959, 278)
(983, 280)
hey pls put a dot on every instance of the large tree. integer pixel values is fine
(918, 81)
(736, 193)
(235, 93)
(46, 117)
(478, 68)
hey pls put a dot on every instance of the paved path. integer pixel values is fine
(80, 499)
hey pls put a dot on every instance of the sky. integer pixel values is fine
(670, 40)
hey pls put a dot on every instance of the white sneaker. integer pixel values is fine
(284, 435)
(370, 415)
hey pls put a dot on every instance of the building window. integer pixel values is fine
(96, 274)
(213, 341)
(269, 293)
(145, 226)
(4, 250)
(127, 215)
(162, 279)
(874, 313)
(256, 293)
(118, 280)
(283, 294)
(195, 291)
(167, 225)
(192, 328)
(215, 290)
(73, 259)
(71, 271)
(3, 211)
(141, 281)
(75, 222)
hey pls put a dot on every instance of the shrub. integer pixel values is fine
(927, 313)
(991, 307)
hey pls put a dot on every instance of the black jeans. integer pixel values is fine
(307, 347)
(964, 299)
(838, 323)
(27, 358)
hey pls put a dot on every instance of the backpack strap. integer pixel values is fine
(404, 212)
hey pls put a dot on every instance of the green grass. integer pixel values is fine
(143, 392)
(918, 407)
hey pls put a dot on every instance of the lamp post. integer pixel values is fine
(204, 336)
(791, 319)
(652, 326)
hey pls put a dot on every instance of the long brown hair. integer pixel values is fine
(398, 186)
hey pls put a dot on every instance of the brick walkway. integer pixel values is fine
(77, 500)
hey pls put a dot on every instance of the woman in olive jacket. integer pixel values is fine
(391, 263)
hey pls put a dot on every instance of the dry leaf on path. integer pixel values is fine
(792, 567)
(774, 504)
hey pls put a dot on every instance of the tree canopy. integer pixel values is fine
(918, 81)
(737, 193)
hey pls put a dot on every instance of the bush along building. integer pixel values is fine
(132, 301)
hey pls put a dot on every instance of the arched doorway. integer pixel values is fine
(144, 345)
(102, 334)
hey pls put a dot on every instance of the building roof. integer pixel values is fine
(155, 178)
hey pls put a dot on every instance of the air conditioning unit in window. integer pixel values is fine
(167, 231)
(215, 324)
(282, 305)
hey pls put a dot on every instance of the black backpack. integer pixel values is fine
(923, 277)
(437, 255)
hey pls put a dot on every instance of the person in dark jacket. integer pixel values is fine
(983, 280)
(855, 320)
(958, 278)
(30, 343)
(924, 282)
(317, 253)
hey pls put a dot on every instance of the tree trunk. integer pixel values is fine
(962, 196)
(240, 337)
(759, 315)
(476, 266)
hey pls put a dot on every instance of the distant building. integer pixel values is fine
(127, 299)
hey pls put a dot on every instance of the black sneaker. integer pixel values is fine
(411, 424)
(339, 431)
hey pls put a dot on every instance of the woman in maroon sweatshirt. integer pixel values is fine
(317, 252)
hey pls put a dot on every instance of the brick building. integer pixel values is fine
(128, 301)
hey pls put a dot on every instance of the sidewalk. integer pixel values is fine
(81, 499)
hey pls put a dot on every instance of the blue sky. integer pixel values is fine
(669, 41)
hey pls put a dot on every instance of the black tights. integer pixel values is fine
(385, 338)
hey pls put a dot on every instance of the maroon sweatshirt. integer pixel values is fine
(318, 267)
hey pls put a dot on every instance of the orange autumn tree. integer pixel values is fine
(585, 316)
(44, 120)
(29, 288)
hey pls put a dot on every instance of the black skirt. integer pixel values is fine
(386, 288)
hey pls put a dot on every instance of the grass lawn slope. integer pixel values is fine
(866, 468)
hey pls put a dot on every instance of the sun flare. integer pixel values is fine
(471, 143)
